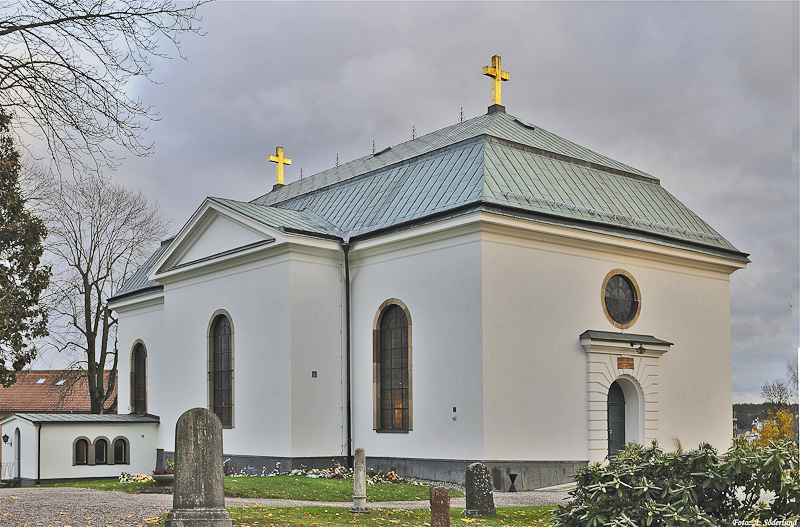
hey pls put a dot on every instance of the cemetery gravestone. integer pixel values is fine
(198, 493)
(360, 483)
(440, 507)
(480, 501)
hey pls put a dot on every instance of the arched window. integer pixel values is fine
(393, 343)
(221, 370)
(121, 454)
(81, 452)
(100, 452)
(139, 379)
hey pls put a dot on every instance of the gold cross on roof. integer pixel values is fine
(280, 160)
(497, 76)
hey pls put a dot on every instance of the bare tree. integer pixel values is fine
(776, 394)
(791, 376)
(99, 233)
(64, 65)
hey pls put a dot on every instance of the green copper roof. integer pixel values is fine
(498, 124)
(494, 162)
(487, 170)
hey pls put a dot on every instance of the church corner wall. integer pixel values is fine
(317, 354)
(534, 368)
(540, 292)
(436, 275)
(254, 295)
(142, 321)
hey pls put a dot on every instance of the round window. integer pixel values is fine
(621, 298)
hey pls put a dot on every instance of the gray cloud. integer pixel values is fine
(697, 94)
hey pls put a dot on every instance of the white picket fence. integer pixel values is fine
(7, 471)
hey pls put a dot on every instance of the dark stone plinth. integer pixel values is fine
(496, 108)
(480, 500)
(199, 495)
(440, 507)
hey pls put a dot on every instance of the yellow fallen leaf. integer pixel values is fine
(15, 497)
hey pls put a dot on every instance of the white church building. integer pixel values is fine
(487, 292)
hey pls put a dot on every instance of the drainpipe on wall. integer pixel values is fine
(38, 455)
(349, 444)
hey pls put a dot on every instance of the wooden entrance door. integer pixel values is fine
(616, 419)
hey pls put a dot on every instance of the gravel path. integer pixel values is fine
(71, 507)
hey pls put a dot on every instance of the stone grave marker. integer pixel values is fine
(360, 483)
(480, 500)
(440, 507)
(198, 493)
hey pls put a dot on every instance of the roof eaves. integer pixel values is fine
(137, 292)
(620, 231)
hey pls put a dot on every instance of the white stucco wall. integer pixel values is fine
(256, 297)
(142, 322)
(438, 277)
(27, 447)
(219, 234)
(317, 345)
(272, 299)
(541, 292)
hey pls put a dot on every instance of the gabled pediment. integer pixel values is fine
(214, 232)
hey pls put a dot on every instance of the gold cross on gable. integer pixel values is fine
(497, 75)
(280, 160)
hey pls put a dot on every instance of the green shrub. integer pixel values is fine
(647, 487)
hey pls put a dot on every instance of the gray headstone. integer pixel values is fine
(360, 483)
(440, 507)
(198, 493)
(480, 501)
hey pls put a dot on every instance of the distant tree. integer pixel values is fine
(776, 394)
(23, 277)
(65, 64)
(791, 370)
(99, 234)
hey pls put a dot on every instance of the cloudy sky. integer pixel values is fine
(697, 94)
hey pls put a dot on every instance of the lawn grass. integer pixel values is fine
(335, 516)
(104, 484)
(286, 487)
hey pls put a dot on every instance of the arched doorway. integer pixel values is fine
(17, 451)
(616, 419)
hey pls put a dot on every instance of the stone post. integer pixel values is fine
(480, 500)
(198, 494)
(360, 483)
(440, 507)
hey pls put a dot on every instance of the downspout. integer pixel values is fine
(349, 444)
(39, 455)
